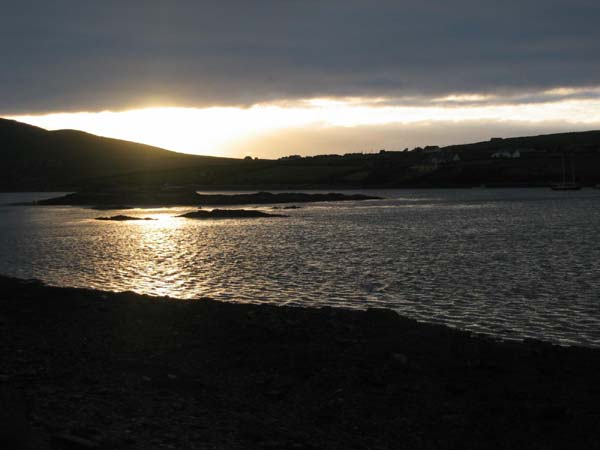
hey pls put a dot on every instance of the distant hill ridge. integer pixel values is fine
(554, 141)
(32, 158)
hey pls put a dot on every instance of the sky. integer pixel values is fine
(270, 78)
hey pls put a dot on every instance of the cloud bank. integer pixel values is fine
(69, 55)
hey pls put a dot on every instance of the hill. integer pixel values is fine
(35, 159)
(520, 161)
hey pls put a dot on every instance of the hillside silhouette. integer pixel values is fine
(32, 158)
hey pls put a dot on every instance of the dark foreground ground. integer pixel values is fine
(84, 369)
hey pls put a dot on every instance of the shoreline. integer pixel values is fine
(190, 197)
(93, 369)
(328, 188)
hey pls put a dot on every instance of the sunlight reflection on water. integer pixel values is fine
(513, 263)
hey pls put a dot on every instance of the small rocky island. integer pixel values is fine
(228, 214)
(189, 197)
(287, 207)
(122, 218)
(110, 207)
(264, 198)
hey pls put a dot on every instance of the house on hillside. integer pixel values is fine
(506, 154)
(444, 158)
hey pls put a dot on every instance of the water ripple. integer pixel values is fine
(511, 263)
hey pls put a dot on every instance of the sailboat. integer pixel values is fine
(566, 185)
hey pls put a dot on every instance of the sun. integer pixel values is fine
(224, 130)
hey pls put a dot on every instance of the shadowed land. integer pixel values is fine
(33, 159)
(90, 369)
(202, 214)
(189, 197)
(110, 207)
(228, 214)
(123, 218)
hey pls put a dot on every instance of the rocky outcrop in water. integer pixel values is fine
(228, 214)
(132, 197)
(189, 197)
(122, 218)
(110, 207)
(284, 197)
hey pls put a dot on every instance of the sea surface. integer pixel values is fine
(512, 263)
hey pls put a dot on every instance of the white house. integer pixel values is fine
(506, 154)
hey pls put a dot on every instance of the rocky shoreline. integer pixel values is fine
(89, 369)
(201, 214)
(189, 197)
(122, 218)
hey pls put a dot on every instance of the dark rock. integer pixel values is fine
(189, 197)
(284, 197)
(380, 317)
(110, 207)
(553, 412)
(121, 218)
(400, 358)
(15, 429)
(227, 214)
(69, 441)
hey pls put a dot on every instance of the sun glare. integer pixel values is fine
(214, 130)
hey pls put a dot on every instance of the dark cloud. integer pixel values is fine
(69, 55)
